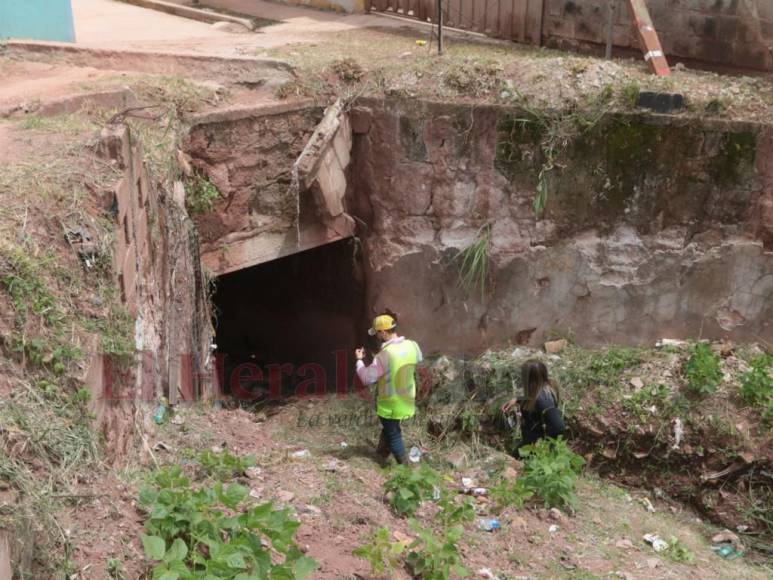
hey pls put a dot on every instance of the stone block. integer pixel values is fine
(660, 102)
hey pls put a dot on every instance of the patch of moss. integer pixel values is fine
(736, 157)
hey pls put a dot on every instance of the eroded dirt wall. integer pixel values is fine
(654, 227)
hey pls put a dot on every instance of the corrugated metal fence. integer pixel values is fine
(519, 20)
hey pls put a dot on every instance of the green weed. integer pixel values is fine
(408, 487)
(550, 472)
(201, 194)
(211, 532)
(629, 94)
(677, 552)
(381, 553)
(473, 263)
(224, 465)
(434, 557)
(452, 512)
(757, 386)
(702, 370)
(510, 493)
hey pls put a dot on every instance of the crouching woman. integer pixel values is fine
(540, 415)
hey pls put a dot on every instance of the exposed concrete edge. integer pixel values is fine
(113, 98)
(310, 158)
(191, 13)
(237, 113)
(99, 57)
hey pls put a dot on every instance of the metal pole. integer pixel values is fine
(610, 27)
(439, 27)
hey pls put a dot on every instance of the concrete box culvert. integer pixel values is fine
(656, 226)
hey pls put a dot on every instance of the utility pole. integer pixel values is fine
(439, 26)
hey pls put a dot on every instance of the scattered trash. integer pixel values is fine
(468, 483)
(343, 445)
(647, 504)
(726, 552)
(177, 420)
(414, 455)
(658, 544)
(671, 342)
(553, 529)
(637, 383)
(218, 448)
(161, 411)
(303, 453)
(678, 433)
(435, 493)
(489, 524)
(421, 42)
(254, 493)
(727, 545)
(476, 491)
(161, 446)
(742, 528)
(658, 493)
(487, 573)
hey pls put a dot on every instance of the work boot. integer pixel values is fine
(382, 450)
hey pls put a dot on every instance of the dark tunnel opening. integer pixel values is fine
(289, 327)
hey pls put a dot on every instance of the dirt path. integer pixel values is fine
(337, 494)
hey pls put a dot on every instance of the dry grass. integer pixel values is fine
(498, 72)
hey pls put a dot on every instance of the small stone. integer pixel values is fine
(555, 514)
(260, 417)
(652, 563)
(637, 383)
(285, 496)
(556, 346)
(255, 493)
(311, 510)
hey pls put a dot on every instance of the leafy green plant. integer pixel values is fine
(434, 557)
(381, 553)
(452, 512)
(408, 487)
(473, 263)
(701, 370)
(201, 194)
(224, 466)
(757, 386)
(677, 552)
(114, 569)
(510, 493)
(550, 471)
(212, 532)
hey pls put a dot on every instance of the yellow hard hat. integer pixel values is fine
(383, 322)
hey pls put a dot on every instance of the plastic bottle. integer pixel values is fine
(489, 524)
(415, 455)
(161, 411)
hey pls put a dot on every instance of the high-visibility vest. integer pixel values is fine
(396, 398)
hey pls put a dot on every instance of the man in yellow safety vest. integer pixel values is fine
(392, 370)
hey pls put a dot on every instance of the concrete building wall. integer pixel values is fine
(37, 19)
(736, 33)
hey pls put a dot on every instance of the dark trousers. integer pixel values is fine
(393, 437)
